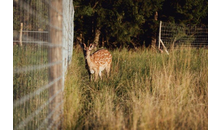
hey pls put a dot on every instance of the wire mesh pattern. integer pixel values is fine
(36, 103)
(184, 35)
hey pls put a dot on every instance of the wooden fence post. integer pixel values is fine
(20, 37)
(159, 34)
(54, 56)
(164, 47)
(160, 40)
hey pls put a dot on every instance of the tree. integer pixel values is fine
(185, 11)
(132, 23)
(150, 9)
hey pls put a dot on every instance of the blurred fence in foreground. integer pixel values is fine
(42, 50)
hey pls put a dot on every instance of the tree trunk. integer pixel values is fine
(153, 38)
(103, 42)
(96, 39)
(153, 42)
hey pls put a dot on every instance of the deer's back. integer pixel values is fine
(101, 57)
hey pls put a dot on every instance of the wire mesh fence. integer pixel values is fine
(42, 50)
(179, 34)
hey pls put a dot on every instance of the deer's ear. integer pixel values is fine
(91, 46)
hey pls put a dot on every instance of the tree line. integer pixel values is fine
(116, 23)
(132, 23)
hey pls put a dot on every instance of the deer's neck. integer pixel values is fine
(88, 58)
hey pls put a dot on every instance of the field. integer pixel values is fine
(146, 90)
(26, 82)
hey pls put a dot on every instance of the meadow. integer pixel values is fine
(146, 90)
(26, 82)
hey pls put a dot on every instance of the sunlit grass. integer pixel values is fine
(28, 82)
(146, 90)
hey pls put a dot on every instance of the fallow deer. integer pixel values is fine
(97, 61)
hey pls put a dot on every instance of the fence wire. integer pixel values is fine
(183, 35)
(37, 93)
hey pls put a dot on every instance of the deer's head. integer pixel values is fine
(87, 50)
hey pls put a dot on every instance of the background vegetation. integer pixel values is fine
(133, 23)
(146, 90)
(113, 24)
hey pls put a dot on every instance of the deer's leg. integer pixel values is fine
(108, 70)
(90, 76)
(100, 74)
(87, 67)
(96, 75)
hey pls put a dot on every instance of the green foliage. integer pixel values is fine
(185, 11)
(121, 22)
(180, 33)
(124, 22)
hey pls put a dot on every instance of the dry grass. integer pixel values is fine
(146, 90)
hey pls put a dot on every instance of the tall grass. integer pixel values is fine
(146, 90)
(28, 82)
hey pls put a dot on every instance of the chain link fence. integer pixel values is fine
(42, 49)
(179, 34)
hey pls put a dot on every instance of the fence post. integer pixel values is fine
(55, 56)
(159, 34)
(20, 37)
(160, 40)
